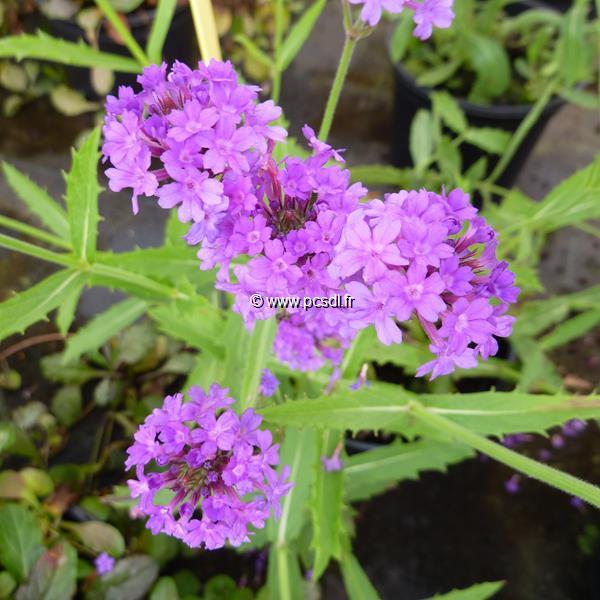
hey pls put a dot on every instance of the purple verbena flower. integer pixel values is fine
(104, 563)
(268, 383)
(218, 468)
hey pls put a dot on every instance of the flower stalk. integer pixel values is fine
(206, 29)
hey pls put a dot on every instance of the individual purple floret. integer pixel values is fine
(268, 383)
(104, 563)
(333, 463)
(215, 467)
(427, 14)
(513, 485)
(573, 427)
(429, 257)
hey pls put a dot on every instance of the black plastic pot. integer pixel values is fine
(180, 44)
(409, 98)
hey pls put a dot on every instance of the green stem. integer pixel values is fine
(279, 19)
(562, 481)
(33, 232)
(111, 14)
(338, 84)
(526, 124)
(32, 250)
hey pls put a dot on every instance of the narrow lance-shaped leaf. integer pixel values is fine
(82, 197)
(299, 34)
(356, 582)
(34, 304)
(326, 506)
(160, 27)
(45, 47)
(570, 330)
(479, 591)
(38, 201)
(67, 308)
(369, 473)
(102, 327)
(386, 406)
(284, 580)
(259, 350)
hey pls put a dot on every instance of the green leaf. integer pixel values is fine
(356, 581)
(491, 140)
(438, 74)
(372, 472)
(165, 589)
(44, 47)
(67, 404)
(299, 34)
(253, 50)
(54, 370)
(99, 537)
(480, 591)
(34, 304)
(54, 576)
(67, 308)
(381, 175)
(386, 407)
(198, 324)
(326, 506)
(39, 202)
(401, 37)
(284, 580)
(298, 450)
(70, 102)
(161, 22)
(449, 110)
(538, 372)
(7, 585)
(82, 197)
(581, 98)
(102, 327)
(489, 60)
(421, 138)
(259, 347)
(169, 263)
(20, 540)
(131, 579)
(573, 49)
(570, 330)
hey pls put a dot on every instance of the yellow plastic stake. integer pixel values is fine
(206, 29)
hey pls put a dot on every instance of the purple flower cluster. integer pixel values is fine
(427, 14)
(215, 466)
(429, 256)
(193, 138)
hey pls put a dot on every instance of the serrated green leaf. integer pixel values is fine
(372, 472)
(82, 197)
(326, 506)
(102, 327)
(491, 140)
(161, 22)
(34, 304)
(299, 34)
(44, 47)
(479, 591)
(449, 110)
(356, 582)
(386, 407)
(54, 576)
(421, 138)
(39, 202)
(67, 308)
(198, 324)
(20, 540)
